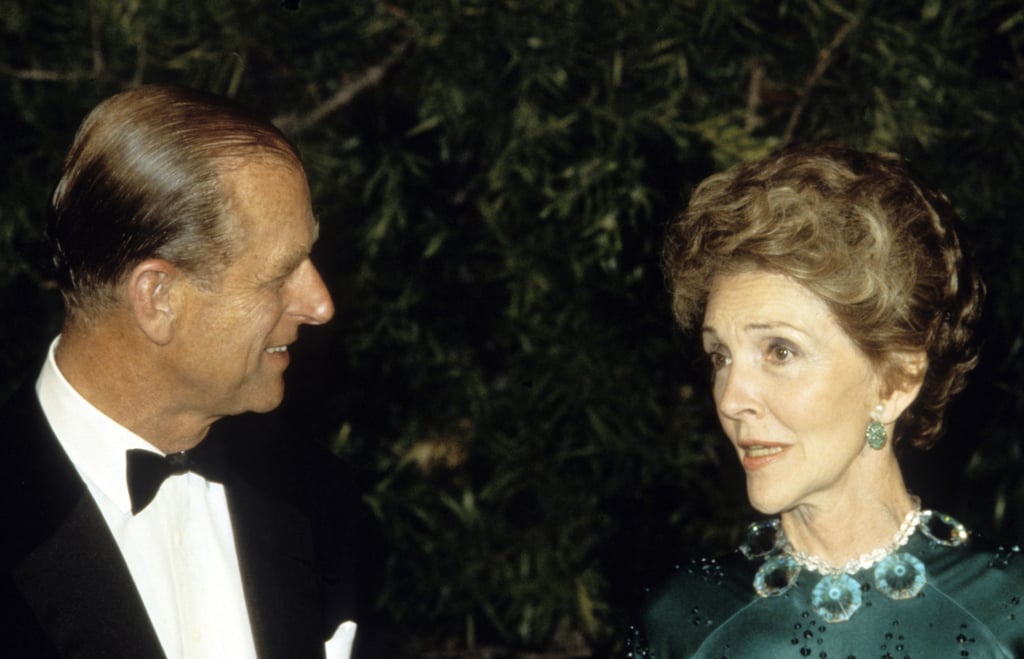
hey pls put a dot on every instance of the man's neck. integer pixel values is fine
(107, 365)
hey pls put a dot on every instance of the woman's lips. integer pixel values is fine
(757, 455)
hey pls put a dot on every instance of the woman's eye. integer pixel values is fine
(780, 353)
(718, 360)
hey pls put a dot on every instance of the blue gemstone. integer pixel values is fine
(836, 597)
(900, 576)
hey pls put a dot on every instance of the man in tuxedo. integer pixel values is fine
(182, 230)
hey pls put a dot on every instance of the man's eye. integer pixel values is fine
(277, 282)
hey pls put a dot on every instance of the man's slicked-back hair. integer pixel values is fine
(143, 180)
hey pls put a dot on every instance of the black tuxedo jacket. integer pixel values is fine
(66, 590)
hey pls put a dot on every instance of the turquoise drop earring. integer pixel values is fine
(875, 434)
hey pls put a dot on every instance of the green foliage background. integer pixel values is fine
(493, 179)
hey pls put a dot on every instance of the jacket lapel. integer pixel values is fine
(274, 546)
(60, 555)
(289, 504)
(82, 593)
(297, 516)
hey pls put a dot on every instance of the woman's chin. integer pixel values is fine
(766, 503)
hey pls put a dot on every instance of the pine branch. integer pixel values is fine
(99, 65)
(46, 75)
(140, 59)
(804, 93)
(294, 123)
(754, 121)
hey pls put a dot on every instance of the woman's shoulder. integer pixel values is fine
(691, 603)
(981, 580)
(983, 577)
(720, 580)
(968, 563)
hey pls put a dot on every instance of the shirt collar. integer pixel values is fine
(95, 443)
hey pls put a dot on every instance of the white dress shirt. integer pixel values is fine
(180, 549)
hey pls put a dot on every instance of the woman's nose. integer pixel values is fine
(737, 392)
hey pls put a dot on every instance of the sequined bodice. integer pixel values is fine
(968, 604)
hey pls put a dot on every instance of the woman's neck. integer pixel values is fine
(838, 531)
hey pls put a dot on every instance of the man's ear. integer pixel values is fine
(904, 386)
(150, 297)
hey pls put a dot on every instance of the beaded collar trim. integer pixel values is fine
(837, 596)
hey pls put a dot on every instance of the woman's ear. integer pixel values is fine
(151, 300)
(903, 384)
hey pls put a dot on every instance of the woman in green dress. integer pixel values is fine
(837, 312)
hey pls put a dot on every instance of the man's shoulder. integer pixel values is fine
(20, 412)
(28, 447)
(38, 484)
(276, 456)
(271, 456)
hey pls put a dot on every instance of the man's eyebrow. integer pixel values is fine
(293, 258)
(289, 262)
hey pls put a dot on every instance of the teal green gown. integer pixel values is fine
(969, 606)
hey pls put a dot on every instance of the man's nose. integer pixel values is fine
(312, 304)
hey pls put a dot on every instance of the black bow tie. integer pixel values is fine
(146, 471)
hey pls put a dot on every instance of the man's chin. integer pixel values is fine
(268, 405)
(267, 400)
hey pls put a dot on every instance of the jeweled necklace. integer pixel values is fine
(837, 596)
(864, 561)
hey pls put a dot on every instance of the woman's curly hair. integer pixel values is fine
(865, 235)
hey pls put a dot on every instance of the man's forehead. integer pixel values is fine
(267, 208)
(268, 185)
(248, 171)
